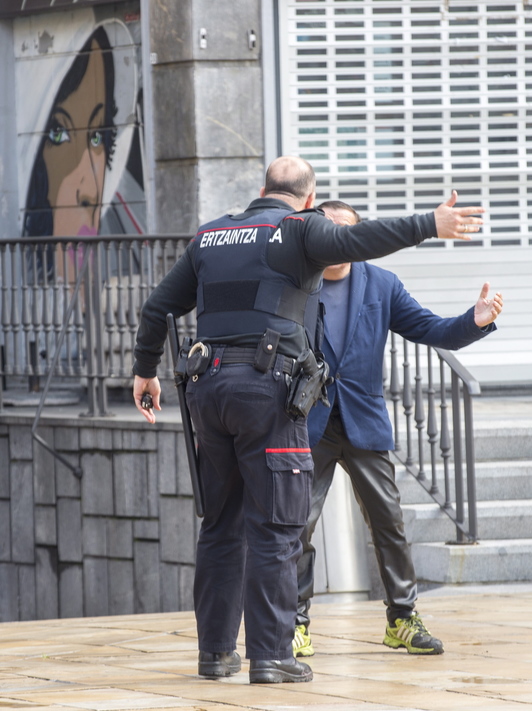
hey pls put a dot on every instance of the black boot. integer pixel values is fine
(274, 671)
(216, 664)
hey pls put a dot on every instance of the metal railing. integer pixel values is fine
(433, 382)
(70, 309)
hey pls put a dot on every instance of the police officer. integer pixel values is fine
(252, 278)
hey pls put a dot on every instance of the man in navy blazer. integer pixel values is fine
(363, 302)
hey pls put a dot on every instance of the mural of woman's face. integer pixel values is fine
(74, 154)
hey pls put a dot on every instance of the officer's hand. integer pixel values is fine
(152, 387)
(456, 222)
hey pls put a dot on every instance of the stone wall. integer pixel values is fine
(119, 540)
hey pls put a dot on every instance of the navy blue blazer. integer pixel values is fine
(379, 302)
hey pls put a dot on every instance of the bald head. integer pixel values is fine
(291, 179)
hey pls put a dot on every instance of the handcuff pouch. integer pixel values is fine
(199, 357)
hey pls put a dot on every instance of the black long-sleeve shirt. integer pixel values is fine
(309, 245)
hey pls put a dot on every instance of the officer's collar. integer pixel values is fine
(266, 202)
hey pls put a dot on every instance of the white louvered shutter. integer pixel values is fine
(397, 103)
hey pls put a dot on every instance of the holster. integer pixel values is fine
(308, 385)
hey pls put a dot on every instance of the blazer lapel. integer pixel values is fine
(357, 287)
(356, 293)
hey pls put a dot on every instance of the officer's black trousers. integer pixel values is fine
(372, 475)
(256, 505)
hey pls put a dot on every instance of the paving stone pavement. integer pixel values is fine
(150, 661)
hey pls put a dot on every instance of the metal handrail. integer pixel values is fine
(38, 276)
(468, 381)
(419, 403)
(81, 239)
(70, 307)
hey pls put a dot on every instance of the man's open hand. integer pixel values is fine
(486, 309)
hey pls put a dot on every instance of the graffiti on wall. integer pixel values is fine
(79, 118)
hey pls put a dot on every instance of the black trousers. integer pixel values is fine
(256, 473)
(372, 475)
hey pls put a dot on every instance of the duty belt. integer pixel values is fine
(233, 355)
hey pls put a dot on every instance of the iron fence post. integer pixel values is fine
(470, 466)
(457, 450)
(89, 341)
(97, 283)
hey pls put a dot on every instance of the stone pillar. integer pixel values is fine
(207, 109)
(9, 213)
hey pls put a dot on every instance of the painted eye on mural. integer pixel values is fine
(96, 139)
(58, 134)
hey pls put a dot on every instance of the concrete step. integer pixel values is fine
(503, 463)
(496, 481)
(511, 519)
(509, 441)
(489, 561)
(494, 440)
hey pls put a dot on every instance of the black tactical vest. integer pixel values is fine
(239, 295)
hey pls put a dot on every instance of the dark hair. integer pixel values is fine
(38, 219)
(339, 205)
(290, 176)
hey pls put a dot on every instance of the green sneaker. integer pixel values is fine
(410, 632)
(301, 643)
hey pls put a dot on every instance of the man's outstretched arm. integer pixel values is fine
(326, 244)
(420, 325)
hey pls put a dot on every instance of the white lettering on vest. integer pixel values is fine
(217, 238)
(277, 236)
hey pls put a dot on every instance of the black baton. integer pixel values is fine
(179, 357)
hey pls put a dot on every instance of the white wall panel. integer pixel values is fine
(395, 104)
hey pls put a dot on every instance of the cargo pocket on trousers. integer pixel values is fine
(291, 486)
